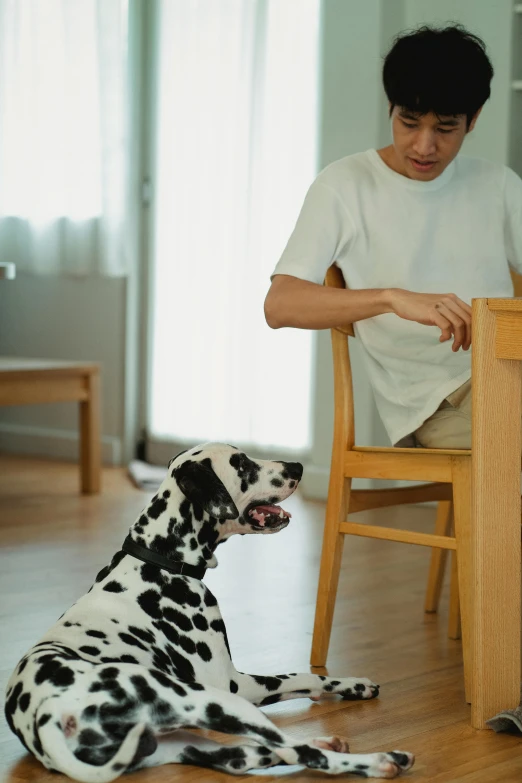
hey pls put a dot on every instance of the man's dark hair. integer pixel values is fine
(442, 70)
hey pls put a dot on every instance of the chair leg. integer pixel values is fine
(462, 520)
(336, 512)
(438, 557)
(454, 628)
(90, 446)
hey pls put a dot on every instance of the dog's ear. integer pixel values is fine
(200, 485)
(177, 455)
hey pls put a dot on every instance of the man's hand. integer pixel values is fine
(447, 311)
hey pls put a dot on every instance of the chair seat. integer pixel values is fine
(403, 464)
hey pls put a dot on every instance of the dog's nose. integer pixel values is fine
(294, 470)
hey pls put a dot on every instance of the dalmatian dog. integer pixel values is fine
(142, 657)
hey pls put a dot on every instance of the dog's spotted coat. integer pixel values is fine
(144, 655)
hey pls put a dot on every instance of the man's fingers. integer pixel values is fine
(463, 311)
(445, 327)
(451, 326)
(451, 299)
(458, 327)
(460, 321)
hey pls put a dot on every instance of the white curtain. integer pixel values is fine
(236, 149)
(63, 108)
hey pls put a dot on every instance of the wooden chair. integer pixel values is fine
(34, 381)
(448, 472)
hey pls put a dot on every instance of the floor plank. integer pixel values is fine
(53, 541)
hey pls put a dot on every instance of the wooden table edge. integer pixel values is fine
(508, 305)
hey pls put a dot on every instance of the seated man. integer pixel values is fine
(405, 223)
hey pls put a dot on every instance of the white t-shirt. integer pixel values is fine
(455, 234)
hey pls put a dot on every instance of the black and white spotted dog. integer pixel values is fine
(144, 655)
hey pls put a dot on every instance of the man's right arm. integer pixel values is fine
(302, 304)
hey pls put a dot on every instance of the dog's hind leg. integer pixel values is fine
(211, 708)
(183, 747)
(262, 689)
(164, 704)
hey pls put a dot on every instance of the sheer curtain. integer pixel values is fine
(235, 153)
(63, 106)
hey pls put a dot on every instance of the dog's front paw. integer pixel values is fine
(354, 688)
(387, 765)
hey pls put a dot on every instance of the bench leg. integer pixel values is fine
(90, 446)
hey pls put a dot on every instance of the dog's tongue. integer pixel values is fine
(260, 512)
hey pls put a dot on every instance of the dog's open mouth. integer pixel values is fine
(264, 516)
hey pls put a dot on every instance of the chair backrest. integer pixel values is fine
(517, 283)
(334, 279)
(344, 425)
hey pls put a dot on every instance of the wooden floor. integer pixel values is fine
(53, 541)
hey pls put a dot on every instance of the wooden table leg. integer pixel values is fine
(90, 446)
(496, 450)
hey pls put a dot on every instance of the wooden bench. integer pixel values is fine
(34, 381)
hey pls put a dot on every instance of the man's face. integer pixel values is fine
(424, 145)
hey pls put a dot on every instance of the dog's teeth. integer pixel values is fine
(281, 513)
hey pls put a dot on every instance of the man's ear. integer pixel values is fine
(199, 483)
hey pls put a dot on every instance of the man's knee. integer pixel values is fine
(449, 431)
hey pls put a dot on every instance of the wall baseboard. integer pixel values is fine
(59, 444)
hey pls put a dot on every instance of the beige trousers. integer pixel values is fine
(450, 426)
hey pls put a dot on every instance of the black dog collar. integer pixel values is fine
(130, 547)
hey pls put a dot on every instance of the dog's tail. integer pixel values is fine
(63, 760)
